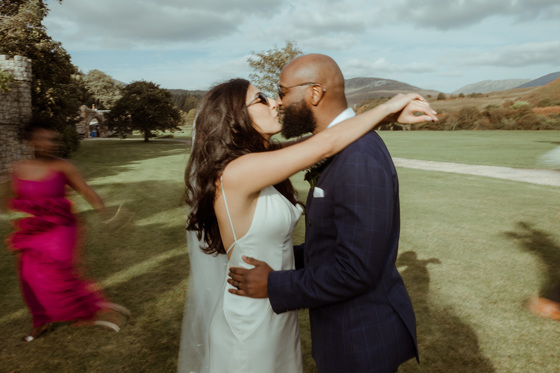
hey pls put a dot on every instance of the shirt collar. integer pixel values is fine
(346, 114)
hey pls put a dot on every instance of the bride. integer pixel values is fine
(241, 203)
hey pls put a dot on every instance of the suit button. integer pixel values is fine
(309, 222)
(307, 259)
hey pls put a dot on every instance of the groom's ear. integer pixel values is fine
(317, 94)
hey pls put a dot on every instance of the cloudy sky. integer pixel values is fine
(193, 44)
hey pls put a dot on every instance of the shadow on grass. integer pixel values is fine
(156, 330)
(540, 243)
(151, 220)
(109, 158)
(149, 343)
(445, 343)
(153, 289)
(550, 142)
(143, 199)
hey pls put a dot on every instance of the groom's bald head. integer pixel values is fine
(326, 99)
(317, 68)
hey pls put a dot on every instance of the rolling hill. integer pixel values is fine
(543, 80)
(487, 86)
(360, 89)
(549, 92)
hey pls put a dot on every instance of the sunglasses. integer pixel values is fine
(260, 99)
(282, 91)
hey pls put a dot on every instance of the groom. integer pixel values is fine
(360, 313)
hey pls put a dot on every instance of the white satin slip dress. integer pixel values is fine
(245, 334)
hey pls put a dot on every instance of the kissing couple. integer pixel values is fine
(244, 287)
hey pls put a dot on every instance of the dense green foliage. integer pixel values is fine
(186, 100)
(268, 65)
(56, 94)
(516, 116)
(104, 89)
(145, 107)
(6, 79)
(509, 115)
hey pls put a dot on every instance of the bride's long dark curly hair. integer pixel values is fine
(223, 132)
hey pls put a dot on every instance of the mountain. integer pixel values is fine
(360, 89)
(549, 92)
(487, 86)
(357, 90)
(543, 80)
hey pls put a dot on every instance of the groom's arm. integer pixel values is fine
(254, 282)
(298, 255)
(364, 212)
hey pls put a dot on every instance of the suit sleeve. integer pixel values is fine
(364, 208)
(298, 255)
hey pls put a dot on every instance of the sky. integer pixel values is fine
(195, 44)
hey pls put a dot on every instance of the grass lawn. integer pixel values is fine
(520, 149)
(472, 251)
(183, 133)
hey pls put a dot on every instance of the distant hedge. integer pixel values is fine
(512, 115)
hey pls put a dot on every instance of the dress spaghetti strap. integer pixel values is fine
(229, 217)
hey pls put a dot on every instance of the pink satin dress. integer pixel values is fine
(47, 242)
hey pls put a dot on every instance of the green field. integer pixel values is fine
(472, 251)
(519, 149)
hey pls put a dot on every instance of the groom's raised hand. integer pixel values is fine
(250, 282)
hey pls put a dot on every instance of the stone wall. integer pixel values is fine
(15, 113)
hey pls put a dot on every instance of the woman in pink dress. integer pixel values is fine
(47, 241)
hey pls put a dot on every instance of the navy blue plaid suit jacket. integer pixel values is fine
(360, 312)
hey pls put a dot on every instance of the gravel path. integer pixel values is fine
(534, 176)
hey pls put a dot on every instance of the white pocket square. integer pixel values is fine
(318, 192)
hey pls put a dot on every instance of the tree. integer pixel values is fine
(53, 85)
(144, 107)
(103, 88)
(186, 100)
(268, 65)
(82, 94)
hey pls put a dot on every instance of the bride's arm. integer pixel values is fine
(285, 144)
(253, 172)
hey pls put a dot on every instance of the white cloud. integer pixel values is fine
(332, 43)
(192, 44)
(128, 23)
(317, 24)
(319, 18)
(381, 67)
(515, 55)
(453, 14)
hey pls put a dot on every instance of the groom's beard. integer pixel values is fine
(298, 120)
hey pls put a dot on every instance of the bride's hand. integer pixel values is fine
(407, 106)
(250, 282)
(417, 111)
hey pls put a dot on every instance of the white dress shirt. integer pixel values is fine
(346, 114)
